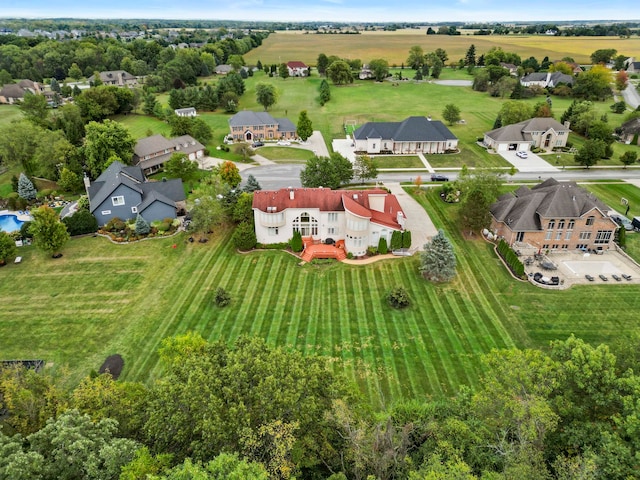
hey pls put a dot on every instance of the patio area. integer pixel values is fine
(572, 267)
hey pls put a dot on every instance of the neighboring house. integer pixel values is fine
(553, 216)
(249, 126)
(358, 217)
(630, 130)
(223, 69)
(14, 92)
(513, 69)
(297, 69)
(119, 78)
(546, 79)
(124, 192)
(365, 72)
(151, 153)
(540, 132)
(186, 112)
(412, 135)
(633, 67)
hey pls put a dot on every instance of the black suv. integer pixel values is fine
(257, 144)
(439, 178)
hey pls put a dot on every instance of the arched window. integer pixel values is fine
(306, 224)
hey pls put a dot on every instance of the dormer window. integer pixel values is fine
(117, 201)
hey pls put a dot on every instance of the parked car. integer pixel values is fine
(622, 221)
(435, 177)
(228, 140)
(636, 223)
(257, 144)
(284, 142)
(522, 154)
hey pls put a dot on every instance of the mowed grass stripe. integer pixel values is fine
(344, 337)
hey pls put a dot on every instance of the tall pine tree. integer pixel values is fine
(438, 262)
(26, 190)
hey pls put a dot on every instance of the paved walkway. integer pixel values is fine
(426, 164)
(418, 222)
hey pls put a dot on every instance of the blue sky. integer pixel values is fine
(329, 10)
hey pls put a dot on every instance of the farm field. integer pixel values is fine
(394, 46)
(102, 299)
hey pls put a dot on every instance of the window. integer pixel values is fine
(581, 246)
(306, 224)
(134, 209)
(568, 235)
(561, 224)
(272, 231)
(106, 212)
(554, 246)
(603, 236)
(333, 217)
(565, 247)
(373, 146)
(117, 201)
(559, 235)
(331, 231)
(571, 224)
(585, 235)
(590, 220)
(552, 224)
(545, 246)
(519, 236)
(548, 235)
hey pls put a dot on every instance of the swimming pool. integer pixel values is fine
(10, 223)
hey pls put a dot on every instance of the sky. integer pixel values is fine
(423, 11)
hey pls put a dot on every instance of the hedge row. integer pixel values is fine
(511, 259)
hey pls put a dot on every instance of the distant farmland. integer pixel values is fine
(394, 46)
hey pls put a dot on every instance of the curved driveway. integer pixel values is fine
(631, 96)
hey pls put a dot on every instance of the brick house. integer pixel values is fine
(540, 132)
(248, 126)
(553, 216)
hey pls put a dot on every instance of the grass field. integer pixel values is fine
(397, 161)
(101, 298)
(8, 113)
(285, 154)
(394, 46)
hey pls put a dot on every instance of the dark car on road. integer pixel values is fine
(257, 144)
(435, 177)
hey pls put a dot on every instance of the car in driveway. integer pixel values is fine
(285, 143)
(257, 144)
(436, 177)
(622, 221)
(522, 154)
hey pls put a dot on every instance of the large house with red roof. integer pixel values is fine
(357, 217)
(297, 69)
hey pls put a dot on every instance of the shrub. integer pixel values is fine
(296, 241)
(372, 251)
(164, 227)
(511, 259)
(7, 247)
(244, 236)
(382, 246)
(222, 298)
(80, 223)
(406, 239)
(142, 226)
(396, 240)
(398, 298)
(115, 225)
(45, 193)
(24, 230)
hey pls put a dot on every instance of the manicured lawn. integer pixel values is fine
(102, 299)
(400, 161)
(9, 113)
(141, 125)
(285, 154)
(611, 194)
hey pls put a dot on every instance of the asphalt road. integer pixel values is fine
(272, 177)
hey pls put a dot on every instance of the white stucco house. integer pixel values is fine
(357, 217)
(412, 135)
(540, 132)
(297, 69)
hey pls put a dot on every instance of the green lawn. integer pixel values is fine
(397, 161)
(102, 299)
(285, 154)
(9, 113)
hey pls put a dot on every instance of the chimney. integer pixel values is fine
(291, 194)
(567, 124)
(87, 182)
(429, 118)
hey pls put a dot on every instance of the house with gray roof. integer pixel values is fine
(119, 78)
(412, 135)
(249, 126)
(540, 132)
(124, 192)
(555, 216)
(630, 131)
(14, 92)
(547, 79)
(151, 153)
(223, 69)
(633, 67)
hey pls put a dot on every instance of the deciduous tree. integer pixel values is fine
(230, 174)
(380, 68)
(478, 192)
(451, 113)
(330, 172)
(365, 168)
(266, 94)
(340, 72)
(305, 127)
(104, 141)
(7, 247)
(49, 233)
(179, 166)
(628, 158)
(415, 59)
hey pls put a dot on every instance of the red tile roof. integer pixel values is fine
(296, 64)
(327, 200)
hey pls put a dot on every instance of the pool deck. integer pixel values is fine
(22, 216)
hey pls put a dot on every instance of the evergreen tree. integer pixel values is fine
(26, 189)
(7, 247)
(438, 261)
(142, 226)
(252, 184)
(149, 103)
(406, 239)
(296, 241)
(325, 92)
(382, 246)
(305, 127)
(470, 57)
(396, 240)
(283, 71)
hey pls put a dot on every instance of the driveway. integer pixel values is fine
(631, 96)
(533, 162)
(418, 222)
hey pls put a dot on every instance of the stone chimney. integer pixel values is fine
(86, 181)
(292, 194)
